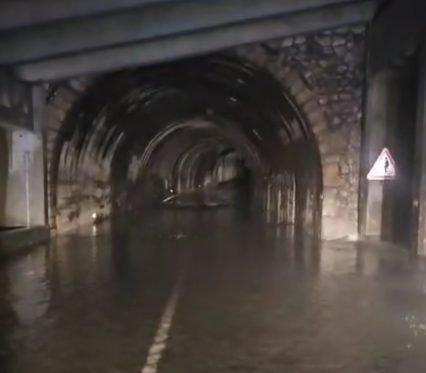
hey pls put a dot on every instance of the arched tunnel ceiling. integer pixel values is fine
(212, 104)
(195, 138)
(83, 39)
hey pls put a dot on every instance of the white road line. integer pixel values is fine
(159, 343)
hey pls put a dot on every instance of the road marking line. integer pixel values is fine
(159, 343)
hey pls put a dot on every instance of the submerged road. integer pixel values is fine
(210, 292)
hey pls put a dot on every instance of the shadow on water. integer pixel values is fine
(8, 321)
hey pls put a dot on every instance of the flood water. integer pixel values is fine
(210, 291)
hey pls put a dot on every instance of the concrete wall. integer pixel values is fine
(389, 208)
(22, 186)
(25, 203)
(374, 141)
(419, 194)
(394, 198)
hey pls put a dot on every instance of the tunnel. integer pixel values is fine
(208, 132)
(212, 186)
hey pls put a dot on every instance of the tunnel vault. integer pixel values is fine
(143, 134)
(134, 137)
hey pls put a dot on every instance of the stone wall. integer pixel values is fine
(74, 193)
(324, 72)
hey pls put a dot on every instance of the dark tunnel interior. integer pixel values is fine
(207, 132)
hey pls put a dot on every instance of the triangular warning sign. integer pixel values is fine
(384, 168)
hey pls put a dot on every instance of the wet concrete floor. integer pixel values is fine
(210, 291)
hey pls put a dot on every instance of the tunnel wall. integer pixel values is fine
(79, 192)
(294, 195)
(323, 73)
(82, 192)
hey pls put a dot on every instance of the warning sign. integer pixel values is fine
(384, 168)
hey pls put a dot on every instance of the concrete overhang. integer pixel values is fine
(396, 33)
(104, 36)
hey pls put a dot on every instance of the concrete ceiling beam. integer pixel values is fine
(202, 42)
(145, 23)
(397, 33)
(15, 14)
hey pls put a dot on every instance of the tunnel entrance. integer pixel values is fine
(208, 132)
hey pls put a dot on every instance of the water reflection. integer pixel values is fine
(8, 321)
(256, 297)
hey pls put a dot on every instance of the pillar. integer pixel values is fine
(374, 137)
(25, 204)
(419, 229)
(390, 122)
(25, 183)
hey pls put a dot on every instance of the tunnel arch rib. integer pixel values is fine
(110, 121)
